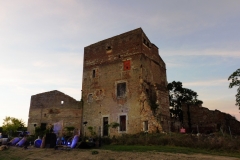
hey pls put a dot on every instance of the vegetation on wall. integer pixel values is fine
(152, 98)
(114, 125)
(92, 132)
(69, 130)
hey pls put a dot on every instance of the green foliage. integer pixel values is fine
(235, 82)
(69, 130)
(152, 97)
(39, 132)
(114, 125)
(106, 140)
(209, 142)
(90, 129)
(179, 96)
(170, 149)
(153, 105)
(11, 124)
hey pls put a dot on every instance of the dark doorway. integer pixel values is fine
(105, 126)
(122, 123)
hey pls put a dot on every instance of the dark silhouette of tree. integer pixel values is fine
(235, 83)
(175, 94)
(178, 96)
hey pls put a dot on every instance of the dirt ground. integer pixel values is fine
(73, 154)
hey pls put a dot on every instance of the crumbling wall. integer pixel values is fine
(206, 121)
(131, 61)
(54, 106)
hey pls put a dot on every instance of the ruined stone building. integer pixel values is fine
(51, 107)
(204, 120)
(124, 82)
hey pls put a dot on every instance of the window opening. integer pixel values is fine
(121, 89)
(144, 41)
(122, 123)
(109, 48)
(93, 73)
(145, 126)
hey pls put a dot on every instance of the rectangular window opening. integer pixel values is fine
(121, 89)
(145, 126)
(105, 126)
(122, 123)
(93, 73)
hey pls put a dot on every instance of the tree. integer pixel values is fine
(179, 96)
(11, 124)
(175, 93)
(235, 83)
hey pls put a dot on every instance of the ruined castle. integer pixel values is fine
(124, 83)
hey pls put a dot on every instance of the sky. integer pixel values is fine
(42, 44)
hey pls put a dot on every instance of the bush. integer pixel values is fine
(210, 142)
(106, 140)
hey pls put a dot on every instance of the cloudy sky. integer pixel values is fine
(42, 42)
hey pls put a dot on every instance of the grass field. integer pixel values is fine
(170, 149)
(115, 152)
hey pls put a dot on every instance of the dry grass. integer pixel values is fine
(207, 142)
(15, 153)
(140, 146)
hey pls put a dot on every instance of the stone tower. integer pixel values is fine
(124, 82)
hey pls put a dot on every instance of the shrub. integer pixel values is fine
(106, 140)
(210, 142)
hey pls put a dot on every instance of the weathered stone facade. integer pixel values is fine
(54, 106)
(124, 81)
(204, 120)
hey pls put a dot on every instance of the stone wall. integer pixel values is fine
(206, 121)
(54, 106)
(124, 80)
